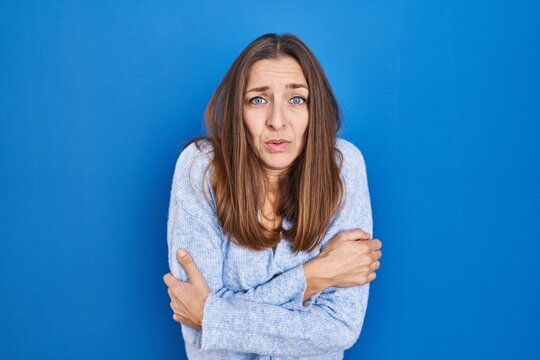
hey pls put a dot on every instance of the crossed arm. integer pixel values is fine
(272, 318)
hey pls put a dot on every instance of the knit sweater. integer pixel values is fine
(256, 309)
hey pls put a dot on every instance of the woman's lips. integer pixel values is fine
(277, 146)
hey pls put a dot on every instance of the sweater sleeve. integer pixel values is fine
(333, 322)
(195, 235)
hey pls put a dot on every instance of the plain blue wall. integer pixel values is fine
(97, 98)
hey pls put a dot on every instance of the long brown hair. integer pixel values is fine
(311, 191)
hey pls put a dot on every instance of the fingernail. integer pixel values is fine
(182, 253)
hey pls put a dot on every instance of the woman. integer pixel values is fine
(269, 208)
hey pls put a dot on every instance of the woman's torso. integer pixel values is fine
(245, 269)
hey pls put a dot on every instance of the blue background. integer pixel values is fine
(97, 99)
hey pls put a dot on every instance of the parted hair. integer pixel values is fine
(311, 189)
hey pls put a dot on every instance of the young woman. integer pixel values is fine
(274, 212)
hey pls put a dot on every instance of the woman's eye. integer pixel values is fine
(298, 100)
(257, 100)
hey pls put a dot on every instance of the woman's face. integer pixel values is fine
(275, 111)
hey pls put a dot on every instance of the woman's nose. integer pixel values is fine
(275, 119)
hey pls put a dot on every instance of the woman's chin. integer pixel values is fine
(277, 165)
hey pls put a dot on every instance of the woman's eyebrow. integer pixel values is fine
(289, 86)
(297, 86)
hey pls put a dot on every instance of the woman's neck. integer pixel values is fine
(274, 176)
(270, 203)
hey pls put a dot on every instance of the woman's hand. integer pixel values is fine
(188, 299)
(349, 258)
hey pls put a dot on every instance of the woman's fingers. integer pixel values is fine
(182, 320)
(187, 299)
(176, 288)
(187, 262)
(375, 255)
(354, 234)
(375, 266)
(375, 244)
(169, 280)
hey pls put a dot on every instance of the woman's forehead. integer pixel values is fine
(270, 71)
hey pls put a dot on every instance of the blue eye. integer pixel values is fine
(255, 102)
(303, 100)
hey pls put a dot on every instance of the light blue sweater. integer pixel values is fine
(256, 308)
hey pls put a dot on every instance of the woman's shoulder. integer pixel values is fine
(194, 158)
(353, 159)
(196, 150)
(192, 167)
(191, 180)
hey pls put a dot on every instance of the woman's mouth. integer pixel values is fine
(277, 145)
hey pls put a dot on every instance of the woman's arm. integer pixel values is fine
(332, 324)
(288, 289)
